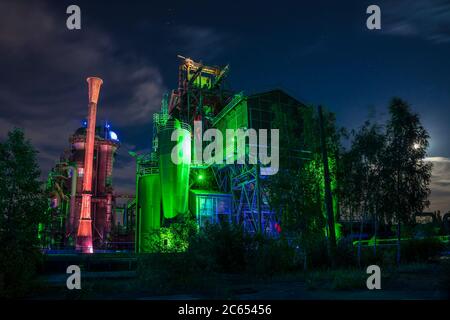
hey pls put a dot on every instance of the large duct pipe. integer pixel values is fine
(73, 194)
(84, 235)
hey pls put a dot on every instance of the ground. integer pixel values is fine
(428, 281)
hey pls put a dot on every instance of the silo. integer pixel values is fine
(150, 205)
(106, 151)
(174, 176)
(103, 191)
(103, 152)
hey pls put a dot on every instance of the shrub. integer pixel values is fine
(388, 256)
(219, 247)
(271, 256)
(368, 257)
(345, 253)
(18, 268)
(418, 250)
(345, 279)
(174, 238)
(318, 257)
(164, 272)
(349, 280)
(225, 248)
(445, 283)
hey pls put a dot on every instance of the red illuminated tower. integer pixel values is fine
(102, 192)
(84, 235)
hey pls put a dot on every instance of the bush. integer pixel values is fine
(318, 257)
(368, 257)
(388, 256)
(345, 253)
(174, 238)
(270, 256)
(419, 250)
(164, 272)
(18, 268)
(426, 230)
(349, 280)
(346, 279)
(225, 248)
(220, 247)
(445, 283)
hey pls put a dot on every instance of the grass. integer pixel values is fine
(212, 269)
(342, 279)
(419, 280)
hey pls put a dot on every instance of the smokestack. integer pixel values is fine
(84, 235)
(94, 85)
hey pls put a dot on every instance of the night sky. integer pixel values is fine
(320, 52)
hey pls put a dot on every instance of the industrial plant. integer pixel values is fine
(240, 151)
(87, 217)
(85, 214)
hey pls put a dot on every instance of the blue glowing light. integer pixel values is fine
(113, 136)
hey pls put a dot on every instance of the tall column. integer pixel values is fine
(84, 235)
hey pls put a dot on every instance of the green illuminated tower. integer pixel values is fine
(174, 175)
(149, 204)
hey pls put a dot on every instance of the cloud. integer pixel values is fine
(44, 67)
(427, 19)
(24, 24)
(438, 159)
(199, 42)
(43, 87)
(440, 184)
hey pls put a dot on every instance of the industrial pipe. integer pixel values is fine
(84, 235)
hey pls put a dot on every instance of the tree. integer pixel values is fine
(22, 205)
(406, 176)
(297, 190)
(362, 179)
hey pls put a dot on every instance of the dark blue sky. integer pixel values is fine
(318, 51)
